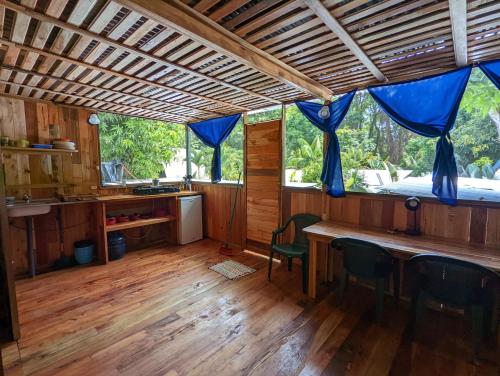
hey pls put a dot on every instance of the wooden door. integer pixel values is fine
(263, 182)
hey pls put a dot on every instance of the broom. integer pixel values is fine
(226, 249)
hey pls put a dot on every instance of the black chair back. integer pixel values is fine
(363, 258)
(301, 221)
(453, 282)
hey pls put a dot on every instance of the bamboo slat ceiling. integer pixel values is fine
(112, 56)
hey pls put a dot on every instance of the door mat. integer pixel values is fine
(231, 269)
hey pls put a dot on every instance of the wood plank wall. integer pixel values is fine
(46, 176)
(475, 223)
(263, 179)
(217, 203)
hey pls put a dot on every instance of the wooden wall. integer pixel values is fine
(217, 203)
(263, 181)
(475, 223)
(45, 176)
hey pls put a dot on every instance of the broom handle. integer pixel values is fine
(233, 209)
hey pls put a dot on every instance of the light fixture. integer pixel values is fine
(413, 204)
(324, 112)
(94, 119)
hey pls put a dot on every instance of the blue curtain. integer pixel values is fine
(213, 133)
(429, 107)
(331, 175)
(492, 70)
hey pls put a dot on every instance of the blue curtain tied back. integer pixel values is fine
(429, 107)
(213, 133)
(331, 175)
(492, 70)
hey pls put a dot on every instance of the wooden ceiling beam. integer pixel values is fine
(164, 116)
(173, 117)
(62, 104)
(331, 22)
(458, 16)
(202, 29)
(132, 50)
(110, 91)
(132, 79)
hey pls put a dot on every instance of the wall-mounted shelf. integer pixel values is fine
(139, 223)
(33, 151)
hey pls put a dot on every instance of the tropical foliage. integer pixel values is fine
(232, 156)
(140, 144)
(369, 140)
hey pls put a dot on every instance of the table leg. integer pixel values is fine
(313, 259)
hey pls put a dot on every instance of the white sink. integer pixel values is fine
(28, 210)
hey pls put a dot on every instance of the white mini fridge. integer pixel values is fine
(191, 219)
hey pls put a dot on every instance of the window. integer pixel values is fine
(303, 150)
(379, 156)
(137, 150)
(232, 156)
(265, 114)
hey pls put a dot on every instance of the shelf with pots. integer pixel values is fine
(139, 223)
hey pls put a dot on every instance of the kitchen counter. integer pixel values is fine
(110, 198)
(131, 197)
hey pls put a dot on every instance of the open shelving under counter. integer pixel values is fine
(163, 222)
(139, 223)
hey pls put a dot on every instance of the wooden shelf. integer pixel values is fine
(139, 223)
(10, 149)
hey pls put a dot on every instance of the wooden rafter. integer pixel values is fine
(132, 50)
(124, 95)
(189, 22)
(458, 16)
(136, 52)
(132, 79)
(71, 90)
(331, 22)
(172, 117)
(62, 104)
(408, 39)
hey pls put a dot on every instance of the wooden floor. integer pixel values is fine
(163, 312)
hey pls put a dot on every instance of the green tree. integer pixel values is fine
(231, 156)
(141, 144)
(482, 97)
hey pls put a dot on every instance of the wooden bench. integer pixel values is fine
(400, 245)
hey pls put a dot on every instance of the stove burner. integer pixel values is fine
(148, 190)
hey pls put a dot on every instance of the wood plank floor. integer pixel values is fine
(161, 311)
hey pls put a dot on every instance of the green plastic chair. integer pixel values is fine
(298, 248)
(368, 261)
(458, 284)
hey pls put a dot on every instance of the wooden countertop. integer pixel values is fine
(407, 245)
(131, 197)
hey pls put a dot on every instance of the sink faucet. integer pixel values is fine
(27, 198)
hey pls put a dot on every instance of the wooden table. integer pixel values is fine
(400, 245)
